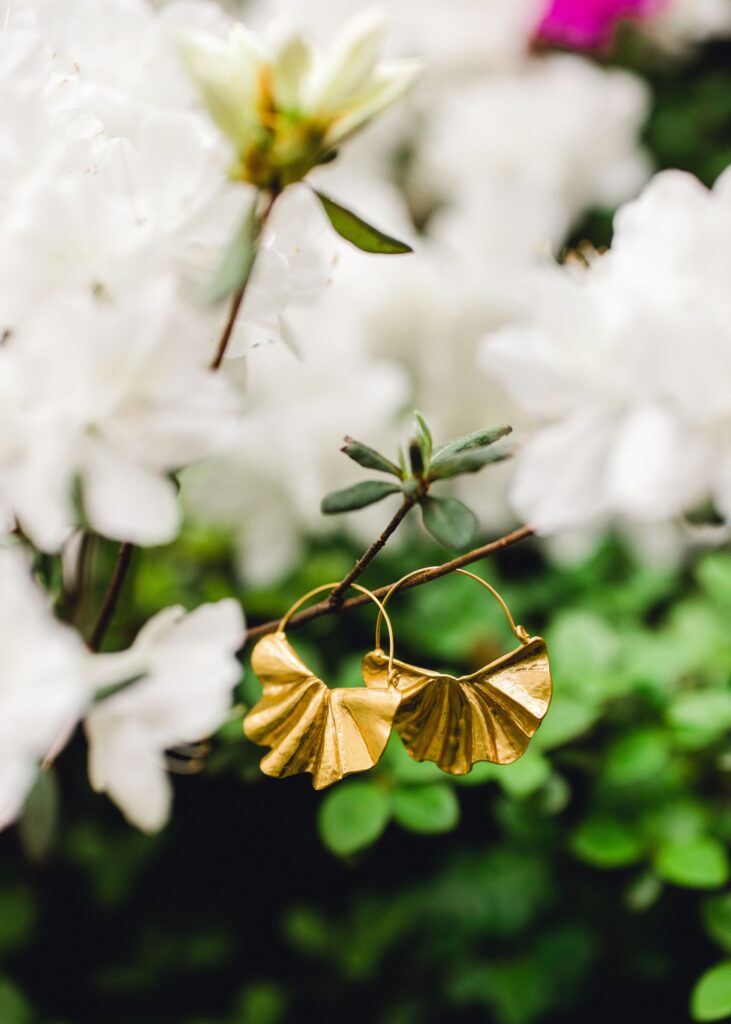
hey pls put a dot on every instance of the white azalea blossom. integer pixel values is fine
(44, 682)
(682, 24)
(284, 105)
(189, 669)
(627, 362)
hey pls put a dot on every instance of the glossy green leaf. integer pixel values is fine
(636, 757)
(717, 919)
(358, 496)
(711, 998)
(358, 232)
(369, 457)
(467, 462)
(699, 863)
(427, 809)
(606, 843)
(14, 1007)
(525, 776)
(449, 522)
(479, 439)
(353, 816)
(238, 260)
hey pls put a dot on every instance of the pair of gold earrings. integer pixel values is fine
(455, 721)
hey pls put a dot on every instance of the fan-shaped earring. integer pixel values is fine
(489, 715)
(311, 728)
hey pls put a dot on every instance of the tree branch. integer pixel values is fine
(111, 598)
(238, 299)
(362, 564)
(325, 608)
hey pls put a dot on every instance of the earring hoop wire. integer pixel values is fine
(382, 614)
(517, 630)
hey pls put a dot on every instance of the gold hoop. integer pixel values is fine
(518, 631)
(382, 614)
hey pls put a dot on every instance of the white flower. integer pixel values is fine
(189, 668)
(682, 24)
(106, 396)
(44, 684)
(522, 154)
(629, 364)
(284, 105)
(455, 40)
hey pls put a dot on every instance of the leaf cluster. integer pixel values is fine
(449, 521)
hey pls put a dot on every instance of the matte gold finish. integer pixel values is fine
(311, 728)
(489, 715)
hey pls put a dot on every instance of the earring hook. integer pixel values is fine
(382, 614)
(518, 631)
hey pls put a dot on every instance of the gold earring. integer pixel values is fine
(311, 728)
(489, 715)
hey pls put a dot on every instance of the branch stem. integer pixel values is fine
(317, 611)
(238, 298)
(111, 598)
(365, 560)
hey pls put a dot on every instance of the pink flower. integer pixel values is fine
(586, 24)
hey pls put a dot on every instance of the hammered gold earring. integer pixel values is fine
(490, 715)
(311, 728)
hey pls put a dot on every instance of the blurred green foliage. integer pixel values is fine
(588, 881)
(597, 862)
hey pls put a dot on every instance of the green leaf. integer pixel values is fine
(37, 827)
(467, 462)
(425, 437)
(426, 809)
(238, 260)
(358, 496)
(449, 522)
(700, 863)
(717, 919)
(14, 1007)
(701, 717)
(360, 234)
(369, 457)
(525, 776)
(711, 998)
(636, 757)
(353, 816)
(606, 843)
(480, 439)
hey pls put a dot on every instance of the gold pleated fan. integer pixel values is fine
(490, 715)
(457, 721)
(311, 728)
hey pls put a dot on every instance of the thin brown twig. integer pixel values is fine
(365, 560)
(325, 608)
(111, 598)
(238, 298)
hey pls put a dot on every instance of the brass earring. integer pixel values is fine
(311, 728)
(490, 715)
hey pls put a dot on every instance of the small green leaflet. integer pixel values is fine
(711, 999)
(238, 260)
(369, 457)
(356, 231)
(449, 522)
(358, 496)
(480, 439)
(466, 462)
